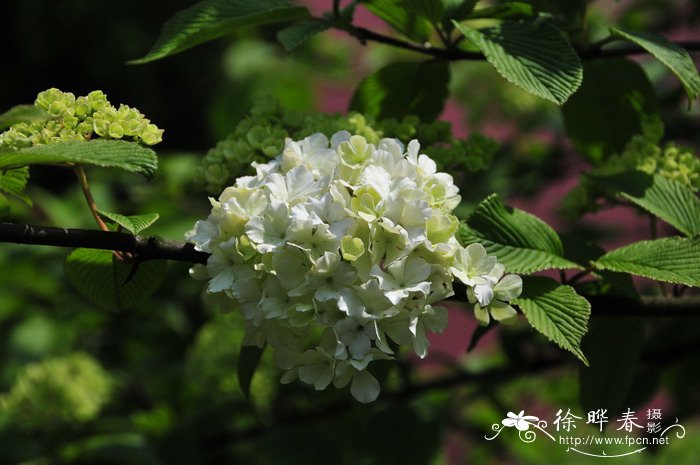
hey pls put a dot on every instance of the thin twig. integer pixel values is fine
(92, 205)
(453, 54)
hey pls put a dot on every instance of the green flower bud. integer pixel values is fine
(82, 107)
(97, 100)
(101, 126)
(152, 135)
(116, 131)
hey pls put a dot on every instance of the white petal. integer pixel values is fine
(364, 387)
(508, 288)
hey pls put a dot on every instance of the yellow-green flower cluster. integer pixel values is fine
(673, 162)
(56, 392)
(261, 136)
(641, 153)
(81, 118)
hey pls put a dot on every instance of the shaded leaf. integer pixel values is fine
(134, 224)
(521, 241)
(102, 279)
(211, 19)
(455, 10)
(247, 364)
(13, 183)
(615, 101)
(128, 156)
(402, 88)
(293, 36)
(507, 10)
(675, 57)
(533, 55)
(669, 200)
(404, 20)
(556, 311)
(671, 259)
(607, 381)
(23, 114)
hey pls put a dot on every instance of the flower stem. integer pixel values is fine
(82, 180)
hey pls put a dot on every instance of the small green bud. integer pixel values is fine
(82, 107)
(97, 100)
(151, 135)
(116, 131)
(101, 127)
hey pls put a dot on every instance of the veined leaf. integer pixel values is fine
(293, 36)
(13, 182)
(455, 10)
(399, 89)
(248, 361)
(108, 282)
(133, 224)
(669, 200)
(675, 57)
(210, 19)
(533, 55)
(129, 156)
(556, 311)
(615, 102)
(521, 241)
(23, 114)
(671, 259)
(404, 20)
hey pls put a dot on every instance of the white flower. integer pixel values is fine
(505, 289)
(269, 231)
(472, 266)
(405, 276)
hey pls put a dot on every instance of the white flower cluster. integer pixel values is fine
(336, 253)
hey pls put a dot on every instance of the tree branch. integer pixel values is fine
(147, 248)
(453, 54)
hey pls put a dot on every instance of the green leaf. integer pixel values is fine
(247, 364)
(23, 114)
(675, 57)
(108, 282)
(293, 36)
(508, 10)
(455, 10)
(533, 55)
(13, 182)
(615, 102)
(556, 311)
(402, 88)
(133, 224)
(404, 20)
(671, 259)
(521, 241)
(211, 19)
(584, 252)
(607, 381)
(129, 156)
(669, 200)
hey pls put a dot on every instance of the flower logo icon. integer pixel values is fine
(520, 421)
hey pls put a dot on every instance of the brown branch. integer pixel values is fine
(453, 54)
(147, 248)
